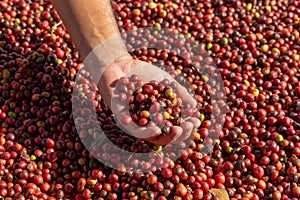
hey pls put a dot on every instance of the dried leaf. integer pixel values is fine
(221, 193)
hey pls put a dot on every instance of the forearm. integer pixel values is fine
(89, 23)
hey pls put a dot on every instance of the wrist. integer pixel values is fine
(103, 55)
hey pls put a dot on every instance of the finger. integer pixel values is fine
(187, 128)
(196, 122)
(177, 132)
(148, 132)
(141, 132)
(119, 108)
(160, 140)
(186, 96)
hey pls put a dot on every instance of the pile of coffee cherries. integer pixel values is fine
(151, 103)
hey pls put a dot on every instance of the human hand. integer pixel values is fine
(125, 66)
